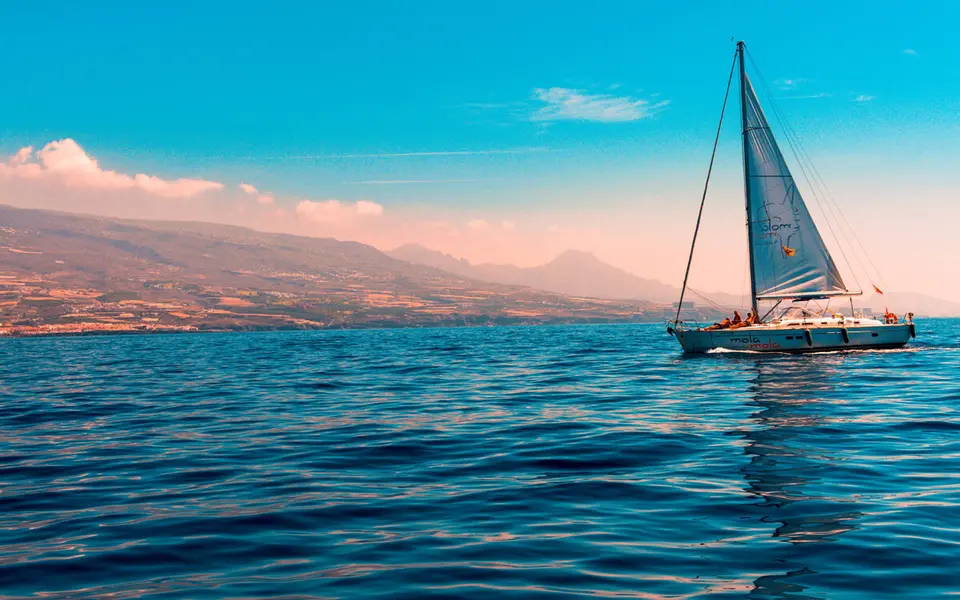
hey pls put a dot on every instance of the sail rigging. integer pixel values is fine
(788, 256)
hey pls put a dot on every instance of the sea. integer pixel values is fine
(592, 461)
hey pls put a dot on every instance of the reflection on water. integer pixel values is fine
(791, 399)
(782, 586)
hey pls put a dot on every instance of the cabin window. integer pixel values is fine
(824, 323)
(789, 337)
(875, 334)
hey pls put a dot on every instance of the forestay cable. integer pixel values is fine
(706, 185)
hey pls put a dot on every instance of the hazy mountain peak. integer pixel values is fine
(413, 247)
(577, 257)
(421, 255)
(421, 249)
(579, 254)
(575, 272)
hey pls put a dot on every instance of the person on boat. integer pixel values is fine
(724, 324)
(736, 318)
(752, 318)
(889, 317)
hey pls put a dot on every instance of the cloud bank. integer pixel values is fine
(248, 189)
(65, 162)
(335, 211)
(63, 176)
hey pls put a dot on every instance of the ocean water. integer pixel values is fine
(525, 462)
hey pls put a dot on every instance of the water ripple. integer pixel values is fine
(592, 461)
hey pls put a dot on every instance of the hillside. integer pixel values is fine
(63, 273)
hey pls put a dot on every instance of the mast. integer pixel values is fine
(746, 178)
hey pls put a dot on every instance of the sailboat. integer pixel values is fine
(788, 261)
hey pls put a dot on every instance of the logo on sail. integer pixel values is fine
(788, 251)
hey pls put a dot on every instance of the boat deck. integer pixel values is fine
(815, 323)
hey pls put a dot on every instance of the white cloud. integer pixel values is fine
(478, 225)
(177, 188)
(66, 162)
(570, 104)
(334, 212)
(791, 83)
(808, 96)
(557, 229)
(368, 208)
(438, 225)
(22, 157)
(863, 98)
(252, 191)
(798, 85)
(486, 226)
(910, 52)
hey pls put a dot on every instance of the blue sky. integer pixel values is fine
(458, 108)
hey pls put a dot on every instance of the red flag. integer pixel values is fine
(877, 290)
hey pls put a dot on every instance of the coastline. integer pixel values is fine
(90, 330)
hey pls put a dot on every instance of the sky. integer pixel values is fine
(498, 132)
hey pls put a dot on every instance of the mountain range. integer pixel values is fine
(574, 272)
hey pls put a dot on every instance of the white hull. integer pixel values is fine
(780, 338)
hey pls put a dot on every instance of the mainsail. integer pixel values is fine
(788, 255)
